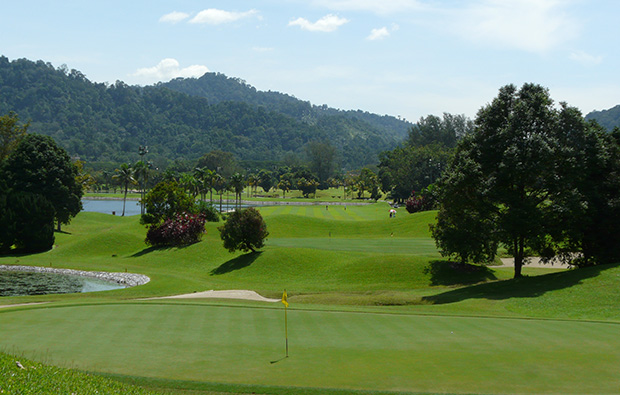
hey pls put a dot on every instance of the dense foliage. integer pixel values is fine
(531, 177)
(109, 122)
(164, 201)
(40, 166)
(244, 230)
(420, 161)
(181, 229)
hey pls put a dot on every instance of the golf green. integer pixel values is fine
(347, 350)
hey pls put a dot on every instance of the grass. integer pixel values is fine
(37, 378)
(374, 307)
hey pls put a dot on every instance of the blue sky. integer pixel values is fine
(408, 58)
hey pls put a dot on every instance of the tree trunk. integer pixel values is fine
(124, 200)
(518, 256)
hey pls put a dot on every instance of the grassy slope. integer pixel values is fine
(367, 260)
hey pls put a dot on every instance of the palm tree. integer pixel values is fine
(219, 183)
(237, 184)
(125, 177)
(141, 171)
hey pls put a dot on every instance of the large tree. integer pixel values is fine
(505, 176)
(244, 230)
(40, 166)
(323, 160)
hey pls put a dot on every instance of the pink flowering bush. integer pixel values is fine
(180, 229)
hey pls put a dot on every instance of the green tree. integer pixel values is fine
(367, 181)
(587, 210)
(322, 158)
(125, 177)
(505, 177)
(265, 180)
(165, 200)
(221, 162)
(10, 134)
(142, 170)
(237, 184)
(285, 183)
(40, 166)
(34, 221)
(446, 131)
(244, 230)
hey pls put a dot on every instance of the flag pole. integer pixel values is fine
(285, 302)
(286, 328)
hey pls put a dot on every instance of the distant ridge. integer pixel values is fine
(184, 118)
(609, 119)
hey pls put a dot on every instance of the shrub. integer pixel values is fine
(181, 229)
(418, 203)
(208, 210)
(244, 230)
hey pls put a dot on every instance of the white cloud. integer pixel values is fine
(585, 58)
(378, 34)
(168, 69)
(214, 16)
(381, 33)
(328, 23)
(530, 25)
(174, 17)
(382, 7)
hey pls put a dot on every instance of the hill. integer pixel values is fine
(107, 123)
(610, 118)
(217, 87)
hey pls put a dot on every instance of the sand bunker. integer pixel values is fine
(230, 294)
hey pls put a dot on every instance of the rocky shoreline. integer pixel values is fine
(125, 279)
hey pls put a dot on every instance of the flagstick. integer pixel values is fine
(286, 329)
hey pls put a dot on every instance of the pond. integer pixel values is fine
(132, 207)
(111, 206)
(19, 283)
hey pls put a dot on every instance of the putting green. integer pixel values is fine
(348, 350)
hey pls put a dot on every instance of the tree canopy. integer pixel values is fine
(244, 230)
(512, 179)
(40, 166)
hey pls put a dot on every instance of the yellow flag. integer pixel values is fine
(284, 299)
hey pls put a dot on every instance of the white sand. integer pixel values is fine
(230, 294)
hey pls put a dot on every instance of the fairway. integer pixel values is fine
(210, 343)
(380, 246)
(374, 307)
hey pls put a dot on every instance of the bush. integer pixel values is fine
(164, 201)
(181, 229)
(244, 230)
(208, 210)
(418, 203)
(27, 221)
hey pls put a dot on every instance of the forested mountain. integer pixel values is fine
(102, 122)
(610, 119)
(217, 87)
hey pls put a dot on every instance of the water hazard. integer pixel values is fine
(17, 283)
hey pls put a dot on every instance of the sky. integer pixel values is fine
(405, 58)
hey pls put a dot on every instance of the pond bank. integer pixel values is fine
(126, 279)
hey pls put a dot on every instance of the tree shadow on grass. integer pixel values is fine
(452, 273)
(237, 263)
(150, 249)
(525, 287)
